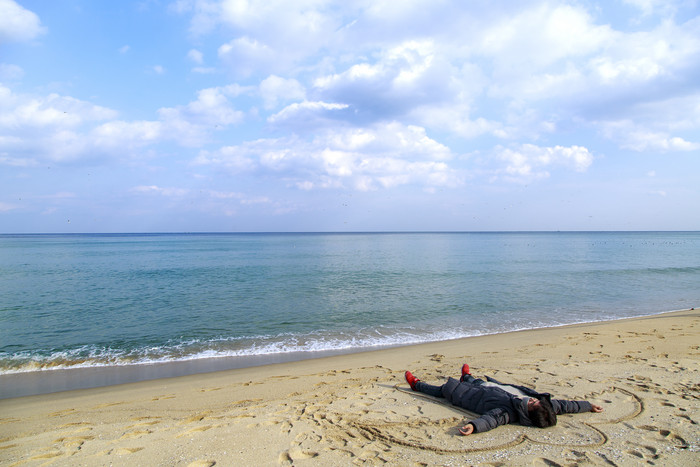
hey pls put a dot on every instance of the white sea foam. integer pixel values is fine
(259, 346)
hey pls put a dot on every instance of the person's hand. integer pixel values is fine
(596, 408)
(467, 429)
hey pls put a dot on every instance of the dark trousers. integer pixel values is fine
(436, 391)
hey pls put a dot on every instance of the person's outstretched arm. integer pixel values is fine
(564, 406)
(488, 421)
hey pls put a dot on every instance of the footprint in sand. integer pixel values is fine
(205, 463)
(141, 424)
(245, 402)
(145, 418)
(122, 451)
(686, 417)
(192, 431)
(545, 461)
(286, 427)
(73, 441)
(163, 397)
(136, 434)
(85, 425)
(240, 418)
(46, 455)
(109, 404)
(61, 413)
(648, 453)
(294, 455)
(196, 418)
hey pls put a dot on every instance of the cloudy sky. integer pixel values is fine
(323, 115)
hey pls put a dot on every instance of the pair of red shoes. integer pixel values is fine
(412, 380)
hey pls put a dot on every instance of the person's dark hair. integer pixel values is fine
(543, 416)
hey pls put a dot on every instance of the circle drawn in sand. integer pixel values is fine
(568, 433)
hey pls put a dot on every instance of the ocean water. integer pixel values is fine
(69, 301)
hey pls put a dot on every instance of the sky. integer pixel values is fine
(324, 115)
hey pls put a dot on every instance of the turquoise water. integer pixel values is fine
(104, 300)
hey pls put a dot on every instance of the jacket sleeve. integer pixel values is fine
(490, 420)
(564, 406)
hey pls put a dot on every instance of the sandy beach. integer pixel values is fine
(358, 409)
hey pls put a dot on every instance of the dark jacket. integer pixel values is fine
(497, 406)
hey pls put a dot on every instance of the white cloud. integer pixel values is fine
(46, 127)
(403, 77)
(17, 24)
(164, 191)
(647, 55)
(661, 142)
(646, 135)
(62, 128)
(204, 200)
(122, 134)
(158, 69)
(212, 107)
(124, 49)
(540, 35)
(663, 7)
(10, 72)
(4, 207)
(307, 116)
(205, 14)
(559, 52)
(274, 89)
(189, 125)
(515, 71)
(456, 117)
(384, 156)
(196, 56)
(356, 87)
(22, 111)
(233, 158)
(530, 162)
(15, 161)
(246, 56)
(272, 36)
(204, 70)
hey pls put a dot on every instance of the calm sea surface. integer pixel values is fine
(114, 300)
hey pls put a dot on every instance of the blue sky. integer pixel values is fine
(315, 115)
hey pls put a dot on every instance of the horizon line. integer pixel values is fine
(318, 232)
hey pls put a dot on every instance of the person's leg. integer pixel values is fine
(465, 371)
(429, 389)
(420, 386)
(471, 380)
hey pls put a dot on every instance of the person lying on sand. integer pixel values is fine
(499, 403)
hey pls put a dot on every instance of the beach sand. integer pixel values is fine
(358, 409)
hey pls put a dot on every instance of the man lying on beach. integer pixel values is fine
(499, 403)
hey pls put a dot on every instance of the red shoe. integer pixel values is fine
(412, 380)
(465, 370)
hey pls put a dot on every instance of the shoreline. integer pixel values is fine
(357, 408)
(54, 380)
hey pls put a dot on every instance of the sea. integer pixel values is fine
(82, 310)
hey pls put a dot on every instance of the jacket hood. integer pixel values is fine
(520, 405)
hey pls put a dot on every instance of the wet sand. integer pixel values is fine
(355, 409)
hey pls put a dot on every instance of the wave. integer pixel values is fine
(182, 350)
(195, 349)
(224, 347)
